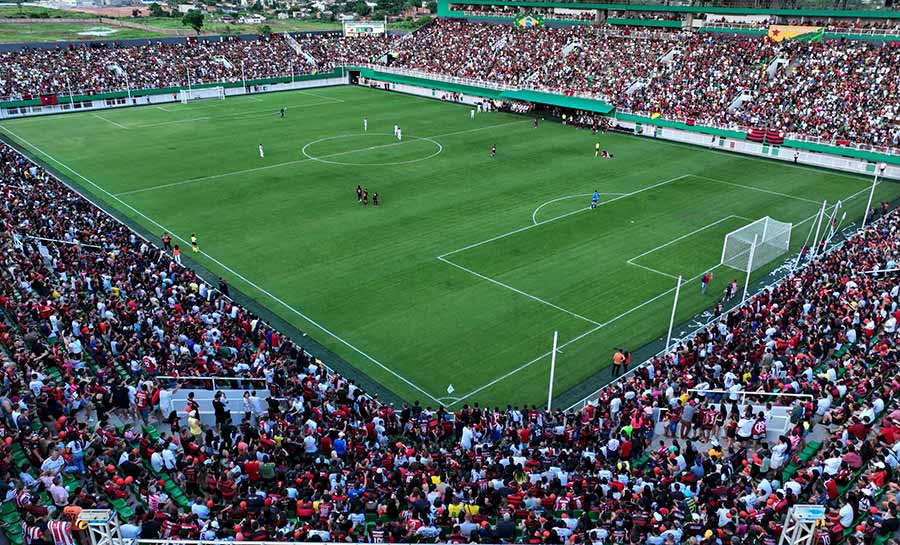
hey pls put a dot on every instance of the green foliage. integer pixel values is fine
(362, 8)
(264, 30)
(136, 13)
(193, 19)
(256, 7)
(157, 11)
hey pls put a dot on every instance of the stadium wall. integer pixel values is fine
(813, 154)
(143, 97)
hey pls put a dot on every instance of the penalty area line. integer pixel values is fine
(247, 281)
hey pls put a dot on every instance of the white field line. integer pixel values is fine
(98, 116)
(651, 269)
(287, 163)
(164, 109)
(566, 215)
(631, 261)
(251, 113)
(615, 318)
(761, 190)
(538, 209)
(332, 99)
(249, 282)
(520, 292)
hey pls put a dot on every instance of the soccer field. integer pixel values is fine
(470, 263)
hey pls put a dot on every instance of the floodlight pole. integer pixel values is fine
(552, 371)
(871, 196)
(749, 268)
(815, 246)
(187, 72)
(672, 317)
(127, 85)
(69, 87)
(243, 77)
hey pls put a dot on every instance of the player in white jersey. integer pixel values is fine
(262, 153)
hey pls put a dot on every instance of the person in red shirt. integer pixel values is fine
(251, 468)
(142, 402)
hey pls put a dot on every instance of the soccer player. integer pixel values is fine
(535, 123)
(358, 193)
(595, 199)
(597, 149)
(396, 129)
(399, 134)
(366, 123)
(194, 245)
(375, 199)
(281, 111)
(493, 150)
(366, 197)
(472, 113)
(167, 241)
(262, 153)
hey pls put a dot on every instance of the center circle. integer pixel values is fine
(330, 158)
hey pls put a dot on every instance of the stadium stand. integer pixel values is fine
(94, 315)
(702, 78)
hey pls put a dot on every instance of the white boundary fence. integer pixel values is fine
(167, 98)
(593, 396)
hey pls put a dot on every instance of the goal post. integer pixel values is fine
(187, 95)
(773, 238)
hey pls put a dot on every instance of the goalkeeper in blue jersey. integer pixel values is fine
(595, 199)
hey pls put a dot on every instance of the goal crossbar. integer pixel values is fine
(755, 244)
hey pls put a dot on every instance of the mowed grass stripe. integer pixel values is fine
(372, 275)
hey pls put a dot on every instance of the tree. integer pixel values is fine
(265, 30)
(362, 8)
(257, 7)
(432, 6)
(157, 11)
(136, 13)
(193, 19)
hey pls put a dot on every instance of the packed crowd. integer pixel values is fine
(516, 11)
(89, 70)
(702, 79)
(813, 89)
(92, 314)
(819, 94)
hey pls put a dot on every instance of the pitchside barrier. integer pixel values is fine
(205, 389)
(594, 396)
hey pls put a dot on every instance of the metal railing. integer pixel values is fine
(241, 382)
(474, 82)
(725, 312)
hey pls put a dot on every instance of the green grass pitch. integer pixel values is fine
(470, 263)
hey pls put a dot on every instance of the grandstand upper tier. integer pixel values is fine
(837, 90)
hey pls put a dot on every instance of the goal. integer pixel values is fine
(186, 95)
(773, 238)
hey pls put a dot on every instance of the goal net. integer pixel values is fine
(772, 237)
(186, 95)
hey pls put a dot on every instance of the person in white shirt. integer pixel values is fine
(262, 154)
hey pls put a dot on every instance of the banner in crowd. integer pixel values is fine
(778, 33)
(528, 21)
(365, 28)
(49, 100)
(769, 136)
